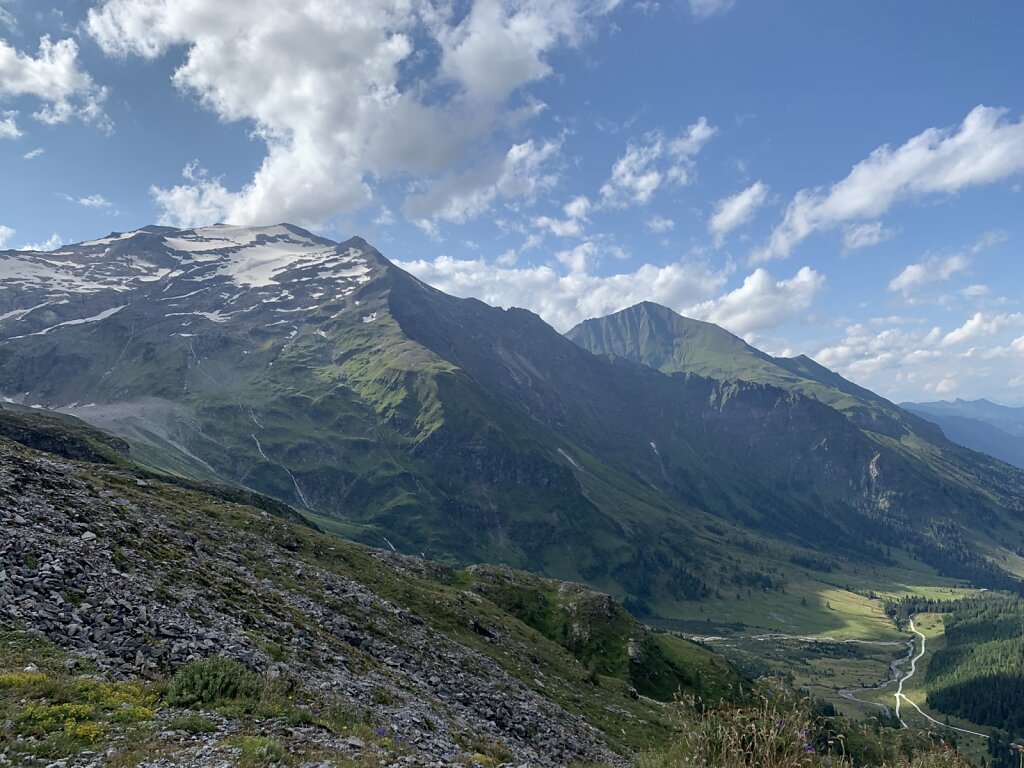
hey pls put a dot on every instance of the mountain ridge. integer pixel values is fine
(982, 425)
(323, 375)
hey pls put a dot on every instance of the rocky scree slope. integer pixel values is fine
(134, 577)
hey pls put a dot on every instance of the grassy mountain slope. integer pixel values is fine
(335, 653)
(656, 336)
(396, 415)
(336, 621)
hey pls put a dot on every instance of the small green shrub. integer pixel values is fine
(213, 680)
(192, 724)
(258, 752)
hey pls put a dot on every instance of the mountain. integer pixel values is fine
(997, 430)
(142, 623)
(390, 413)
(111, 574)
(657, 337)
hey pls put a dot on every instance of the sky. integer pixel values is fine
(842, 179)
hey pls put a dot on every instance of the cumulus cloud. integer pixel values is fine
(634, 177)
(578, 207)
(986, 147)
(54, 77)
(54, 242)
(980, 325)
(859, 236)
(659, 224)
(559, 227)
(576, 215)
(735, 211)
(6, 233)
(935, 269)
(564, 297)
(9, 126)
(902, 360)
(345, 93)
(865, 351)
(521, 174)
(762, 301)
(638, 174)
(495, 50)
(703, 9)
(32, 154)
(939, 268)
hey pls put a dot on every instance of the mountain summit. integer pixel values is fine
(666, 462)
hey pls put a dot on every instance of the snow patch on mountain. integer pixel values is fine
(218, 274)
(82, 321)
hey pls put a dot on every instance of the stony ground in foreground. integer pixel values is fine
(110, 582)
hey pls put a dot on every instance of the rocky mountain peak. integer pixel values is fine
(209, 274)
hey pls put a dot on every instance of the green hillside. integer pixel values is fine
(395, 415)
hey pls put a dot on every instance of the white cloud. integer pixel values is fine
(54, 77)
(903, 362)
(703, 9)
(638, 174)
(976, 291)
(578, 207)
(347, 93)
(659, 224)
(684, 148)
(984, 148)
(859, 236)
(7, 19)
(521, 174)
(200, 202)
(54, 242)
(430, 229)
(990, 239)
(90, 201)
(6, 233)
(493, 51)
(564, 298)
(33, 153)
(735, 211)
(935, 269)
(762, 301)
(634, 178)
(9, 126)
(980, 325)
(576, 212)
(939, 269)
(559, 227)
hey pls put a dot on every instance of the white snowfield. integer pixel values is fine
(82, 321)
(248, 267)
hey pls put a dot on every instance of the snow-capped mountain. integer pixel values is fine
(213, 275)
(323, 375)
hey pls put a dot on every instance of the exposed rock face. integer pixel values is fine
(129, 577)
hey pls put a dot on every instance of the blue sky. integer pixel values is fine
(838, 179)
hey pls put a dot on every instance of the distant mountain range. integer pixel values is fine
(656, 457)
(997, 430)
